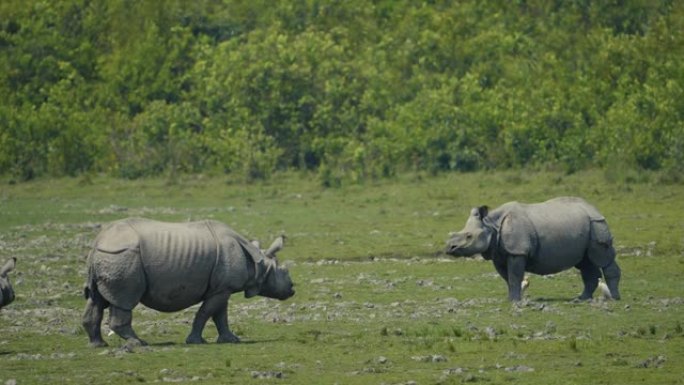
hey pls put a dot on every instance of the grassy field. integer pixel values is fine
(377, 302)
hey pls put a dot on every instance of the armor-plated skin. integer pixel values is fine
(172, 266)
(541, 238)
(6, 290)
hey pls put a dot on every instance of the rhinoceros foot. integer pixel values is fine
(133, 343)
(98, 344)
(195, 340)
(227, 338)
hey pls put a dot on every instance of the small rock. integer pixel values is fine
(519, 368)
(652, 362)
(430, 358)
(266, 374)
(550, 327)
(382, 360)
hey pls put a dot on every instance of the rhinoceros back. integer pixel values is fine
(178, 259)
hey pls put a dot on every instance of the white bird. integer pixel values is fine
(524, 285)
(605, 292)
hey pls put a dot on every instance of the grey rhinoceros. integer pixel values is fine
(541, 238)
(171, 266)
(6, 291)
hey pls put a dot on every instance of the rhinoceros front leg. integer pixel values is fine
(92, 321)
(221, 321)
(120, 322)
(502, 269)
(217, 308)
(516, 273)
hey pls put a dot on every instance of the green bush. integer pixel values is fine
(353, 90)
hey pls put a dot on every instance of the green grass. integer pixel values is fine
(376, 300)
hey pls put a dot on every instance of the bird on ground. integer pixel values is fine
(524, 284)
(605, 292)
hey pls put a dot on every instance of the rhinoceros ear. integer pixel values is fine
(7, 267)
(276, 246)
(483, 211)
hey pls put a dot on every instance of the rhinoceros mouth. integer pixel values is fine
(452, 250)
(457, 251)
(288, 295)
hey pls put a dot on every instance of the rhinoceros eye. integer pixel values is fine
(469, 236)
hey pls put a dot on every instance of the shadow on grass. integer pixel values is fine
(208, 343)
(560, 300)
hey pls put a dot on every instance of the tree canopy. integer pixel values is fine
(352, 90)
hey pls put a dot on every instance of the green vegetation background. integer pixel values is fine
(351, 90)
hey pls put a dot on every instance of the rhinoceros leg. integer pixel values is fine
(214, 307)
(221, 321)
(516, 273)
(502, 269)
(612, 275)
(590, 277)
(120, 322)
(92, 321)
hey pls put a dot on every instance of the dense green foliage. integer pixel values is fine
(351, 89)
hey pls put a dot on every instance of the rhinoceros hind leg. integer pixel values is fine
(211, 307)
(120, 322)
(612, 275)
(590, 278)
(92, 321)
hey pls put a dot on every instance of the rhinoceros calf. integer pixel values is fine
(6, 291)
(171, 266)
(541, 238)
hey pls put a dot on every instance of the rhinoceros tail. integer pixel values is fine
(90, 290)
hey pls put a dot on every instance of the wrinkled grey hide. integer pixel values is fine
(541, 238)
(171, 266)
(6, 291)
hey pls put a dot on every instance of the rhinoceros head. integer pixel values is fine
(6, 291)
(474, 238)
(277, 283)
